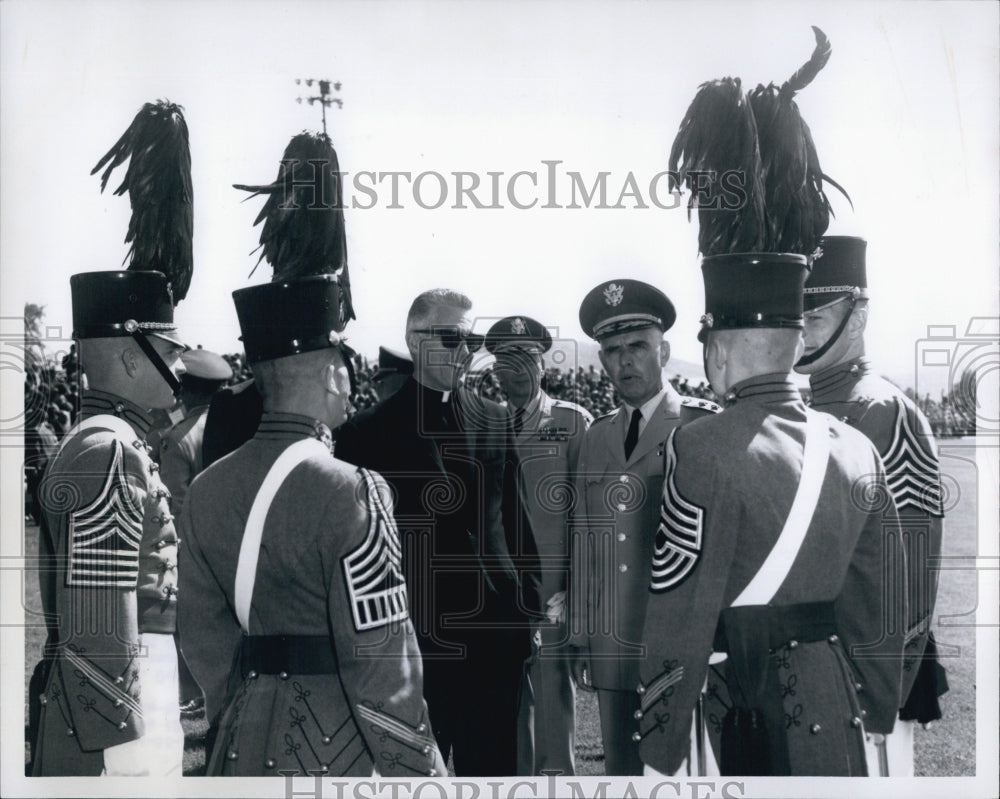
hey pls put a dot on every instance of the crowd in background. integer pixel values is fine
(51, 397)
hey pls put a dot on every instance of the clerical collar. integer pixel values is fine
(774, 387)
(833, 380)
(96, 403)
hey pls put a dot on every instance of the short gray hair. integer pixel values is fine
(428, 302)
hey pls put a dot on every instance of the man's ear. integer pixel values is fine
(859, 320)
(130, 361)
(717, 352)
(664, 352)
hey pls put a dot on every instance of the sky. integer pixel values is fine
(904, 116)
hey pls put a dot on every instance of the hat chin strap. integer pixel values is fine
(805, 360)
(157, 361)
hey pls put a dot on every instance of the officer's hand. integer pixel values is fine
(580, 668)
(555, 609)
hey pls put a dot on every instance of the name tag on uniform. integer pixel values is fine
(553, 434)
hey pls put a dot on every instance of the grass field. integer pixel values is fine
(948, 749)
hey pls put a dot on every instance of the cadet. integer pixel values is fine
(776, 550)
(548, 433)
(620, 478)
(843, 385)
(108, 549)
(180, 445)
(293, 565)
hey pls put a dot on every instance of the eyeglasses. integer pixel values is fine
(452, 336)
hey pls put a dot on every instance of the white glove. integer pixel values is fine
(555, 609)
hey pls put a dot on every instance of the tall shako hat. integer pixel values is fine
(139, 302)
(618, 306)
(518, 331)
(762, 243)
(308, 303)
(838, 271)
(838, 274)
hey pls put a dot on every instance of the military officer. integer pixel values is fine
(777, 571)
(548, 433)
(294, 566)
(619, 479)
(843, 385)
(180, 445)
(108, 548)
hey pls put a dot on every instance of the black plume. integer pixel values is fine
(158, 181)
(303, 217)
(763, 136)
(718, 137)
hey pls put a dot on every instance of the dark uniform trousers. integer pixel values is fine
(466, 547)
(810, 671)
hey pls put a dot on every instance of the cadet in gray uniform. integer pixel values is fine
(548, 433)
(777, 580)
(294, 568)
(843, 385)
(108, 550)
(619, 481)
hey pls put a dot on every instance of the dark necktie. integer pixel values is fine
(633, 433)
(518, 420)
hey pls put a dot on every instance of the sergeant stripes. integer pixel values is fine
(105, 535)
(678, 538)
(911, 470)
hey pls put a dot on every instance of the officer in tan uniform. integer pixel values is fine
(294, 566)
(844, 385)
(619, 481)
(108, 549)
(548, 433)
(777, 582)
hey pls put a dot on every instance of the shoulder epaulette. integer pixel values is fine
(700, 404)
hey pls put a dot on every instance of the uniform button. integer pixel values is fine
(324, 769)
(623, 567)
(855, 722)
(641, 689)
(118, 703)
(432, 773)
(70, 731)
(427, 750)
(864, 713)
(637, 737)
(270, 763)
(252, 674)
(421, 727)
(814, 729)
(858, 687)
(621, 506)
(119, 680)
(833, 639)
(326, 739)
(43, 700)
(283, 675)
(623, 478)
(153, 468)
(119, 407)
(621, 536)
(637, 714)
(792, 644)
(122, 725)
(232, 754)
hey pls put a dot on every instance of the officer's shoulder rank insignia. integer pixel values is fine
(374, 570)
(678, 538)
(911, 468)
(105, 535)
(704, 405)
(605, 417)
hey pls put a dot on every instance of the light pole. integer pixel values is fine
(324, 99)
